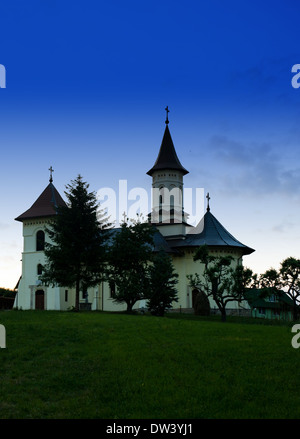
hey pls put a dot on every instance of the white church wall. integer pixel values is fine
(31, 258)
(185, 265)
(100, 299)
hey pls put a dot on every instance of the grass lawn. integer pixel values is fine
(102, 365)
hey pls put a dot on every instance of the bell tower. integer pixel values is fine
(31, 293)
(167, 188)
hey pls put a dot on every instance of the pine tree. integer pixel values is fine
(76, 255)
(163, 280)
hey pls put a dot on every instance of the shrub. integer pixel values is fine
(201, 306)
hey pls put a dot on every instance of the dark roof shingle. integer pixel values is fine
(213, 234)
(45, 205)
(167, 157)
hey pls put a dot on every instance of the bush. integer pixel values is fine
(202, 306)
(5, 292)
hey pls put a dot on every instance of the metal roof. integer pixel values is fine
(167, 157)
(213, 234)
(159, 242)
(45, 205)
(255, 299)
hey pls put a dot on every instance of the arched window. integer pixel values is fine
(160, 209)
(172, 209)
(40, 240)
(39, 269)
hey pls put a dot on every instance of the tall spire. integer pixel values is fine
(167, 157)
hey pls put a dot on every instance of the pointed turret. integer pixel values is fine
(167, 188)
(45, 205)
(167, 157)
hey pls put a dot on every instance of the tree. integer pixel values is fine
(290, 281)
(201, 305)
(268, 283)
(220, 280)
(76, 255)
(286, 280)
(129, 256)
(270, 279)
(163, 280)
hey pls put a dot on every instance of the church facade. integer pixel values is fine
(173, 234)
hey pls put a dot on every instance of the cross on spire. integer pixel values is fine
(208, 198)
(168, 111)
(51, 171)
(124, 216)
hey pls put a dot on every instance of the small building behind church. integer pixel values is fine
(173, 234)
(274, 306)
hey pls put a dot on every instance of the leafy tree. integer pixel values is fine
(6, 292)
(270, 279)
(290, 281)
(76, 255)
(163, 280)
(201, 305)
(129, 255)
(286, 280)
(220, 280)
(268, 283)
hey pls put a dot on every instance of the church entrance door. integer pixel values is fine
(39, 299)
(194, 295)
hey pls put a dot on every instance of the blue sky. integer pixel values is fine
(87, 84)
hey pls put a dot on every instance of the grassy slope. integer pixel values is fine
(101, 365)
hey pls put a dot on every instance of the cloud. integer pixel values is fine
(252, 167)
(283, 227)
(269, 75)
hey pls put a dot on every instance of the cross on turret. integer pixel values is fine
(208, 198)
(168, 111)
(51, 171)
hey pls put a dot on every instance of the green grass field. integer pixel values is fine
(118, 366)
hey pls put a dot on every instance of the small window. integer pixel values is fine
(66, 295)
(39, 269)
(40, 241)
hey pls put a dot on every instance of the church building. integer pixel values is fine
(173, 234)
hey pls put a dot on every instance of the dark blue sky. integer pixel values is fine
(87, 84)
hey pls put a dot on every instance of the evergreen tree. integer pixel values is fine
(163, 280)
(129, 256)
(76, 255)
